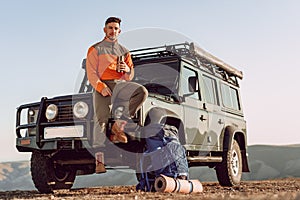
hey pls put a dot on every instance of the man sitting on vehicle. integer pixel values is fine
(108, 76)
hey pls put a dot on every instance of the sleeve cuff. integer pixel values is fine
(100, 86)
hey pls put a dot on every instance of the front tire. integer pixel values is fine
(48, 177)
(229, 171)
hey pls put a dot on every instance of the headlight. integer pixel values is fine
(32, 115)
(80, 109)
(51, 112)
(31, 112)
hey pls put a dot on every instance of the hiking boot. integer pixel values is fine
(120, 138)
(100, 168)
(118, 134)
(99, 161)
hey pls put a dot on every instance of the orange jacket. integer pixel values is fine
(101, 63)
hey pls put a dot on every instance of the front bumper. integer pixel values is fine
(28, 144)
(41, 134)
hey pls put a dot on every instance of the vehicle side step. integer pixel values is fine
(204, 159)
(75, 162)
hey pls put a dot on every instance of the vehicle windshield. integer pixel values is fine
(160, 77)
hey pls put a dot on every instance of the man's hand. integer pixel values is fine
(106, 92)
(123, 67)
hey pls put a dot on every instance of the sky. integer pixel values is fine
(42, 45)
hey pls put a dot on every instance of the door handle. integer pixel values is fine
(202, 118)
(221, 121)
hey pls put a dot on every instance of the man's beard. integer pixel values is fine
(112, 38)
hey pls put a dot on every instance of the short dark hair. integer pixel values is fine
(113, 19)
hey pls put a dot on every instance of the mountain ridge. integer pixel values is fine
(265, 162)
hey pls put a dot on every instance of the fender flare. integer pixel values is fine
(158, 115)
(228, 138)
(230, 134)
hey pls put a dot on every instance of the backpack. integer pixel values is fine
(163, 155)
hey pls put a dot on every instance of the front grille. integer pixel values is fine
(65, 112)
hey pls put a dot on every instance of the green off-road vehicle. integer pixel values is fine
(189, 89)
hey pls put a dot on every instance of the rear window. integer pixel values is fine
(210, 90)
(230, 97)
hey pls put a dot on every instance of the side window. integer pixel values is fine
(210, 90)
(230, 97)
(184, 82)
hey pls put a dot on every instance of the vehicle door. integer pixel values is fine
(195, 117)
(215, 118)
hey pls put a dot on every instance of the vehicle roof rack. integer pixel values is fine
(190, 51)
(200, 57)
(202, 54)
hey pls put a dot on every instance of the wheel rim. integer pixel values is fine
(235, 163)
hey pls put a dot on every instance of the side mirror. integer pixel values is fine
(193, 87)
(193, 84)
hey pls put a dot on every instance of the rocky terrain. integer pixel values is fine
(288, 188)
(275, 174)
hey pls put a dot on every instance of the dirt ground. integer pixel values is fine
(288, 188)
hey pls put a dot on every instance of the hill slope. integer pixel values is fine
(266, 162)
